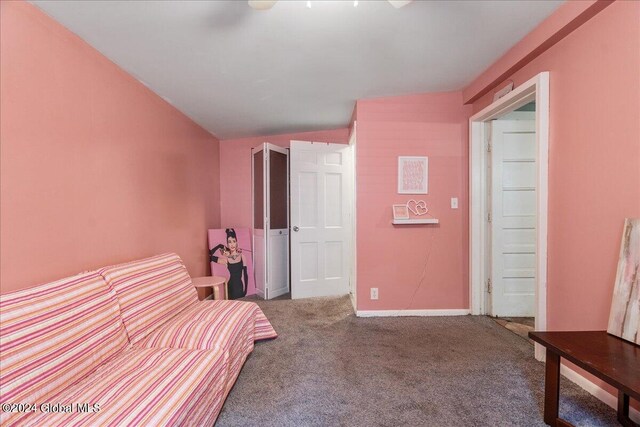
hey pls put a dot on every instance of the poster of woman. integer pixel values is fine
(230, 257)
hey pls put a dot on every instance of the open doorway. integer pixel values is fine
(304, 219)
(508, 194)
(511, 173)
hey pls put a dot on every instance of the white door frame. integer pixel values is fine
(353, 278)
(537, 88)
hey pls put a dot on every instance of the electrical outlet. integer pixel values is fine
(454, 203)
(374, 293)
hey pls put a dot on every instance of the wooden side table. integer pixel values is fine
(217, 283)
(609, 358)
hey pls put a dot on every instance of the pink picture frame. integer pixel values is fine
(400, 212)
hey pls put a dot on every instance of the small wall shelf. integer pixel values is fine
(416, 221)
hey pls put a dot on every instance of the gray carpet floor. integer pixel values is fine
(330, 368)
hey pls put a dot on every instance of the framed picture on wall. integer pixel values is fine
(400, 212)
(413, 175)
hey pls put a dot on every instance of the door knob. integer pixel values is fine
(295, 228)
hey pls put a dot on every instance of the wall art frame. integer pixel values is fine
(413, 175)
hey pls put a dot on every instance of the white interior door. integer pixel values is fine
(270, 176)
(513, 218)
(277, 220)
(320, 219)
(258, 179)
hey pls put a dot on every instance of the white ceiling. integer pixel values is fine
(241, 72)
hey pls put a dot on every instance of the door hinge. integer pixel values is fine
(489, 286)
(489, 217)
(489, 146)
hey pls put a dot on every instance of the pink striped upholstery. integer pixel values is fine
(54, 335)
(212, 324)
(151, 387)
(150, 292)
(213, 311)
(228, 326)
(132, 338)
(263, 328)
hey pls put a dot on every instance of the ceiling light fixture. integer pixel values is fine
(262, 4)
(268, 4)
(399, 3)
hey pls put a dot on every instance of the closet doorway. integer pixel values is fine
(304, 219)
(270, 177)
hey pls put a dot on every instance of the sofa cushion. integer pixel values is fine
(210, 311)
(150, 291)
(228, 326)
(212, 324)
(54, 335)
(146, 387)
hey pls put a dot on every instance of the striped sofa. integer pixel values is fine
(125, 345)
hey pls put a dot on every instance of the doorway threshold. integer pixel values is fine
(520, 326)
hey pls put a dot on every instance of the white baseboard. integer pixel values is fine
(353, 302)
(596, 391)
(405, 313)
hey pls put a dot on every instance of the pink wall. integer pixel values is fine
(594, 160)
(235, 170)
(422, 266)
(561, 23)
(95, 168)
